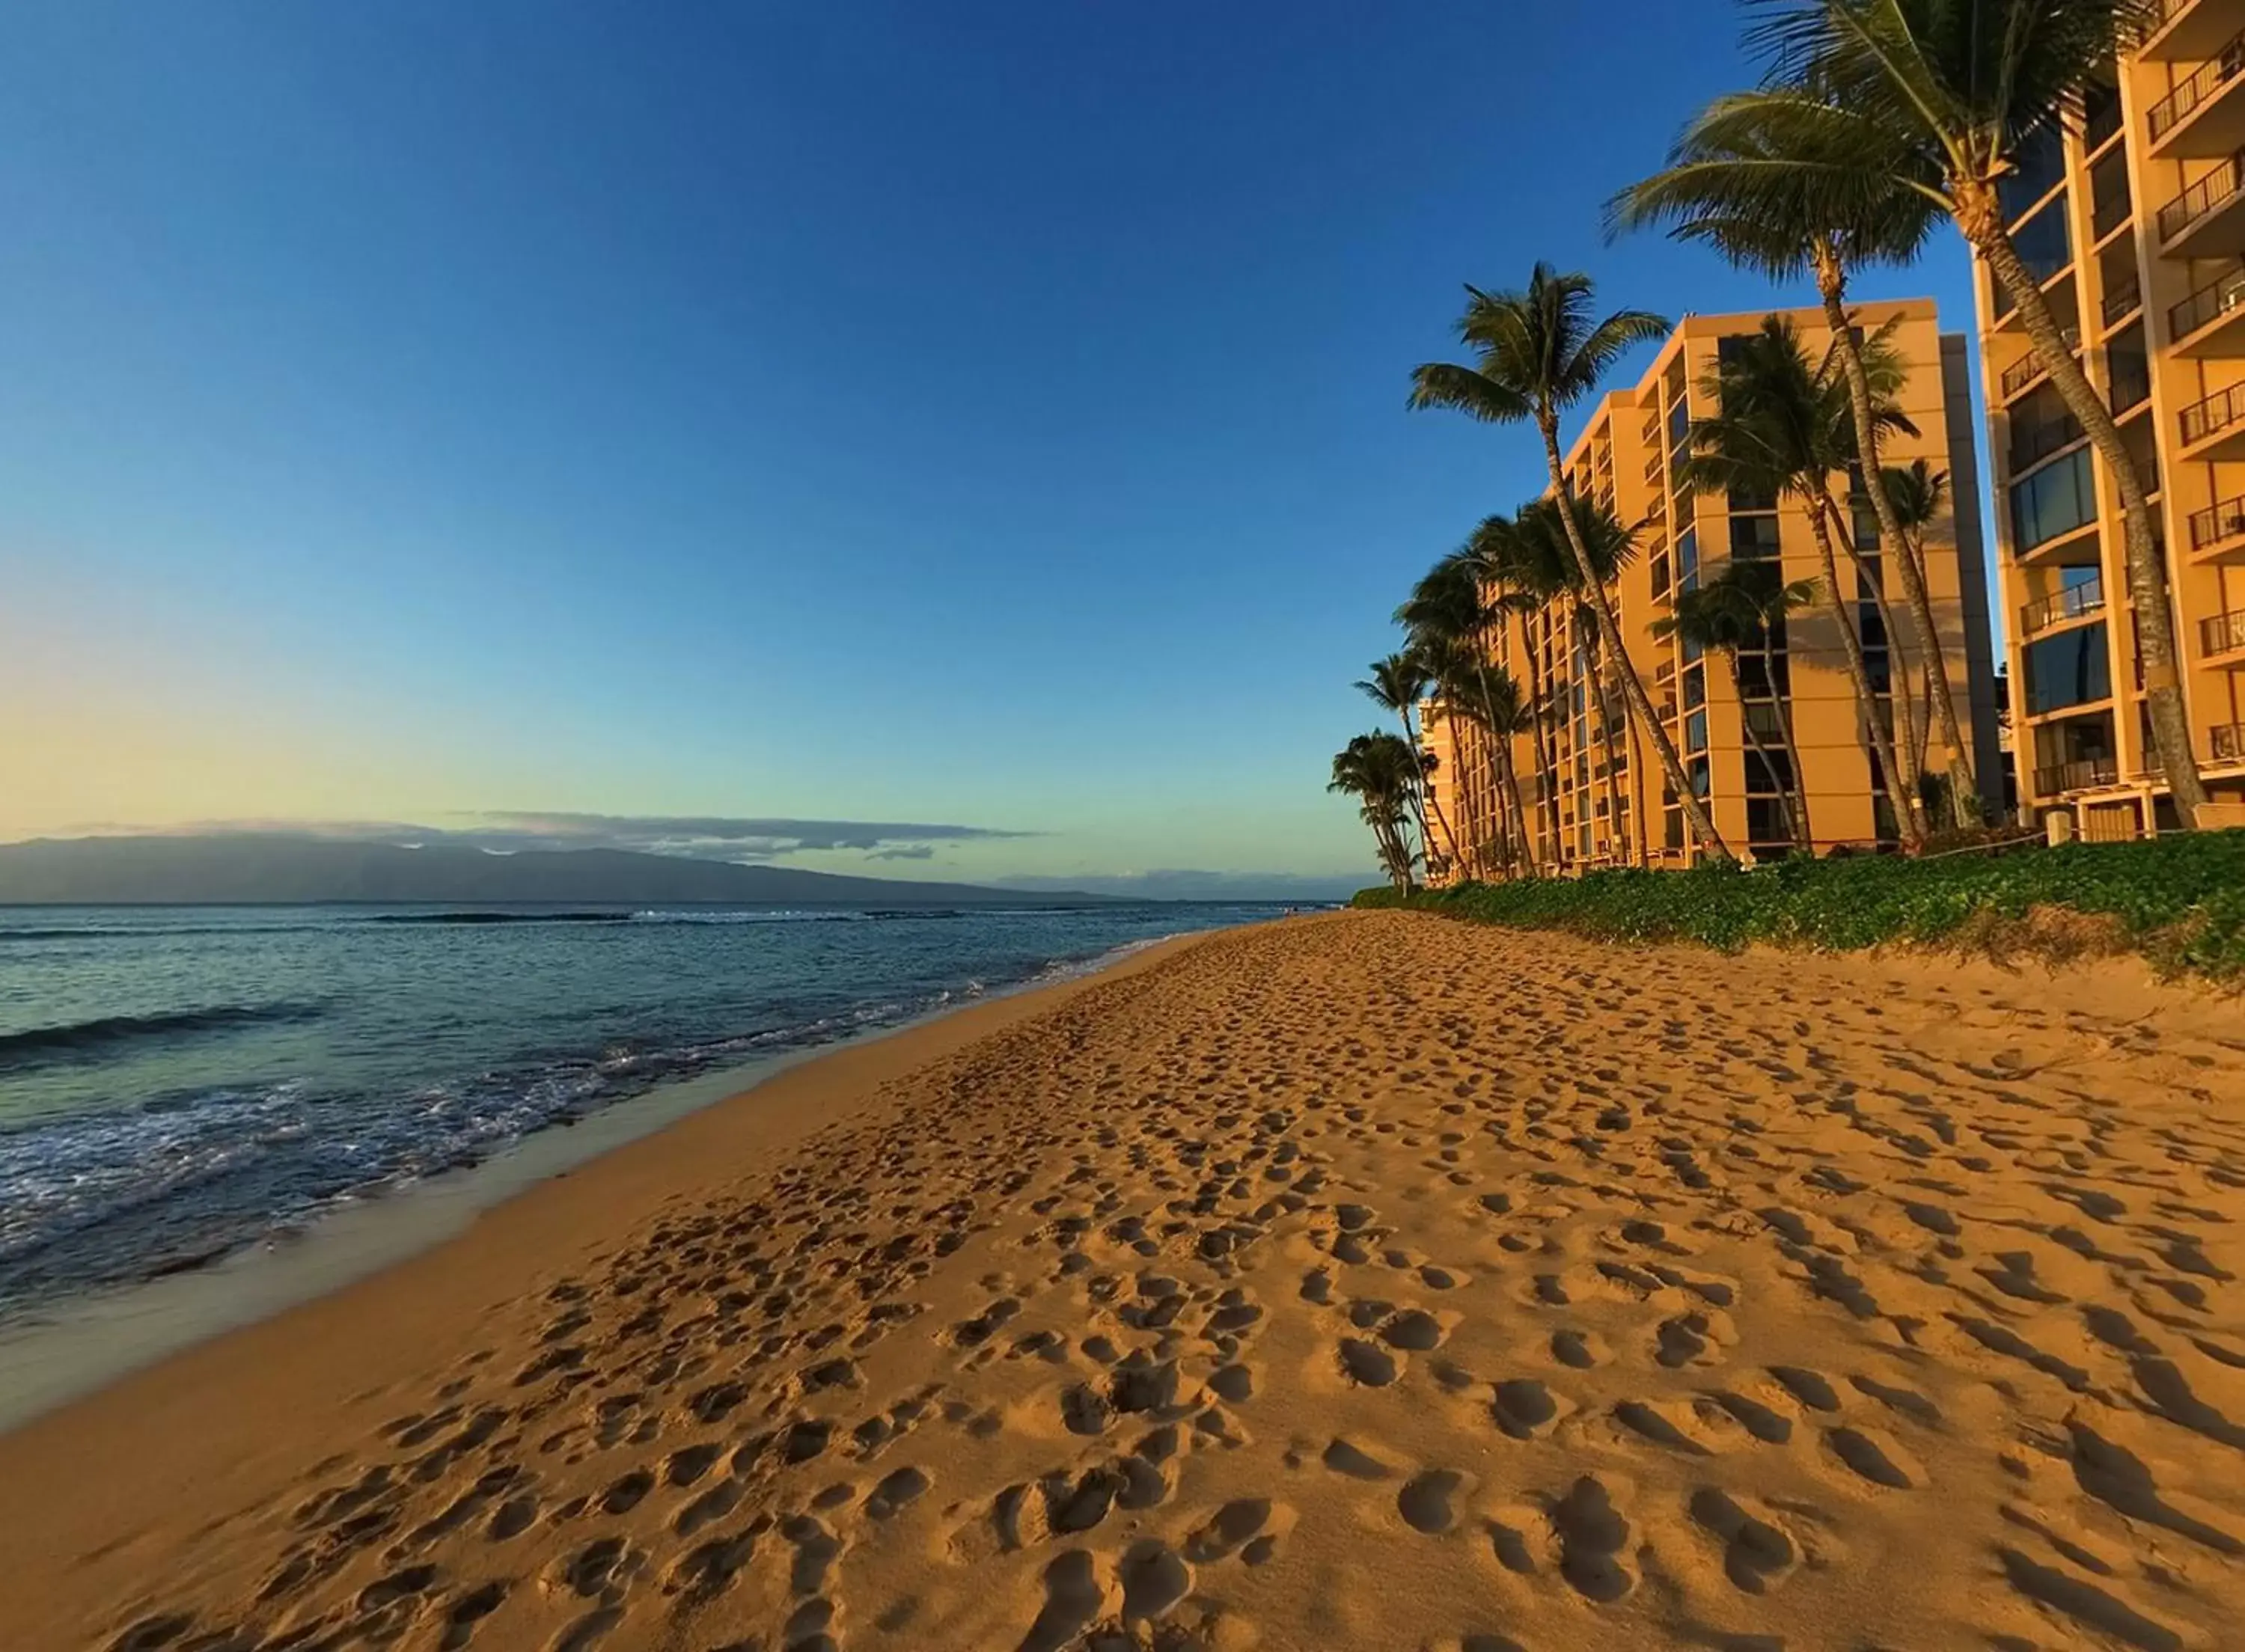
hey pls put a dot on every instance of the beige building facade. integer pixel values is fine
(1595, 794)
(2134, 225)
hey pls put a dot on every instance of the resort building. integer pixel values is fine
(1595, 796)
(2135, 225)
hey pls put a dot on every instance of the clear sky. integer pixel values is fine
(971, 413)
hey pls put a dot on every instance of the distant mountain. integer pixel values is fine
(251, 870)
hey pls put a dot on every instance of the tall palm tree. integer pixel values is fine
(1537, 353)
(1918, 494)
(1399, 682)
(1780, 429)
(1612, 547)
(1381, 773)
(1935, 97)
(1447, 618)
(1524, 577)
(1737, 614)
(1762, 196)
(1489, 697)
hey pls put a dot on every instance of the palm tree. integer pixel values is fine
(1400, 682)
(1524, 577)
(1935, 97)
(1762, 196)
(1488, 696)
(1917, 494)
(1447, 618)
(1780, 429)
(1738, 613)
(1611, 547)
(1381, 773)
(1537, 353)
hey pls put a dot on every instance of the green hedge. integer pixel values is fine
(2178, 899)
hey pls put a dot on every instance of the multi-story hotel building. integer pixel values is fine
(1589, 813)
(2134, 224)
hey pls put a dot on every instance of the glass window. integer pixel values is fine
(1754, 538)
(1660, 575)
(2039, 163)
(1687, 560)
(2056, 500)
(1766, 823)
(2044, 246)
(1695, 731)
(1701, 775)
(2069, 669)
(1695, 686)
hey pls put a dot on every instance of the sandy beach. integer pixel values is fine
(1361, 1281)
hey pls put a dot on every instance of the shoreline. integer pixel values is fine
(74, 1350)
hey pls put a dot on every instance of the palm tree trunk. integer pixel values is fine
(1981, 218)
(1547, 756)
(1695, 812)
(1511, 776)
(1640, 847)
(1799, 776)
(1613, 778)
(1910, 740)
(1753, 739)
(1900, 554)
(1867, 704)
(1427, 797)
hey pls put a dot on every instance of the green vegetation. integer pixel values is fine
(2178, 899)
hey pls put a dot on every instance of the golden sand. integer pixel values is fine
(1369, 1281)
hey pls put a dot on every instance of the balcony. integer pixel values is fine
(2218, 524)
(2191, 31)
(2225, 743)
(2214, 428)
(2223, 633)
(2199, 117)
(2029, 368)
(2075, 602)
(2033, 444)
(2208, 220)
(2079, 775)
(2124, 301)
(2211, 322)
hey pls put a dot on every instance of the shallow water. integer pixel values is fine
(178, 1082)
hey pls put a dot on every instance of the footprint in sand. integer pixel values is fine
(1757, 1554)
(1367, 1365)
(1427, 1501)
(1525, 1409)
(1591, 1535)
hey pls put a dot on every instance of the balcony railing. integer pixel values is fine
(2217, 188)
(2075, 602)
(2029, 368)
(2177, 106)
(2225, 742)
(2033, 444)
(2109, 212)
(2217, 298)
(2225, 520)
(2222, 632)
(2075, 776)
(2216, 413)
(2126, 298)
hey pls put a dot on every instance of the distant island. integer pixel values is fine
(255, 870)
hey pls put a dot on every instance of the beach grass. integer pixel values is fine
(2178, 900)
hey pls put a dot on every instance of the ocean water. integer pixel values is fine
(179, 1082)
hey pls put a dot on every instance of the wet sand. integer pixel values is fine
(1364, 1281)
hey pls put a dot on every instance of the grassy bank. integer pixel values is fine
(2178, 900)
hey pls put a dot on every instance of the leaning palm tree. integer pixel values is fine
(1447, 618)
(1781, 428)
(1936, 97)
(1524, 574)
(1537, 352)
(1399, 682)
(1381, 773)
(1738, 613)
(1488, 697)
(1918, 495)
(1612, 547)
(1762, 195)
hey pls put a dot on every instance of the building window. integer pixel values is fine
(1695, 731)
(2055, 500)
(2069, 669)
(1695, 686)
(2039, 163)
(1754, 538)
(2044, 244)
(1701, 775)
(1687, 560)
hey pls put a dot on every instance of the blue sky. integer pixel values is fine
(978, 414)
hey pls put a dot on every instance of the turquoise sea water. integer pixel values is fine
(176, 1082)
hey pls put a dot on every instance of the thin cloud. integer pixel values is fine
(722, 837)
(1189, 886)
